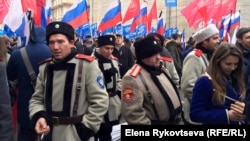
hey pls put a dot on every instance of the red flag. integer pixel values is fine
(41, 3)
(228, 7)
(37, 16)
(213, 7)
(202, 8)
(191, 13)
(152, 15)
(187, 11)
(132, 11)
(29, 5)
(38, 12)
(4, 4)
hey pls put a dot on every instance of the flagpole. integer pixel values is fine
(92, 11)
(166, 16)
(160, 14)
(30, 16)
(176, 16)
(147, 18)
(92, 17)
(169, 15)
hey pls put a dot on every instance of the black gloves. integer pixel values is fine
(83, 132)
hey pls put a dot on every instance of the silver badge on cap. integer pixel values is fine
(110, 39)
(155, 42)
(57, 26)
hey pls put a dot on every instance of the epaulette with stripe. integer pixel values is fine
(85, 57)
(1, 59)
(47, 60)
(168, 59)
(136, 69)
(198, 52)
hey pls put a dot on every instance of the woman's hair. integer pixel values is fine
(214, 69)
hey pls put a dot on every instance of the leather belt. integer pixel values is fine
(66, 120)
(111, 94)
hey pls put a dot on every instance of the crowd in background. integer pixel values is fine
(204, 82)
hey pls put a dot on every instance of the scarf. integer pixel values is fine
(108, 74)
(207, 51)
(155, 72)
(67, 58)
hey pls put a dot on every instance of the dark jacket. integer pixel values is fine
(89, 50)
(202, 108)
(125, 58)
(246, 66)
(79, 47)
(6, 124)
(247, 103)
(246, 61)
(176, 53)
(37, 51)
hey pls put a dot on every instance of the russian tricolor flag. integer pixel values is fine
(112, 17)
(235, 20)
(160, 27)
(77, 15)
(229, 23)
(46, 13)
(15, 17)
(17, 21)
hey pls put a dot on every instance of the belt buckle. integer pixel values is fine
(56, 120)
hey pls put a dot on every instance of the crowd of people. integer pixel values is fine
(86, 87)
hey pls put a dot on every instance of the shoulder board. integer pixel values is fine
(136, 69)
(1, 59)
(198, 52)
(114, 58)
(168, 59)
(47, 60)
(85, 57)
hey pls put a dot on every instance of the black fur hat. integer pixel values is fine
(147, 47)
(61, 28)
(106, 40)
(158, 37)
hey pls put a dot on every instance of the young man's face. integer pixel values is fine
(60, 46)
(153, 61)
(118, 40)
(245, 41)
(212, 43)
(106, 50)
